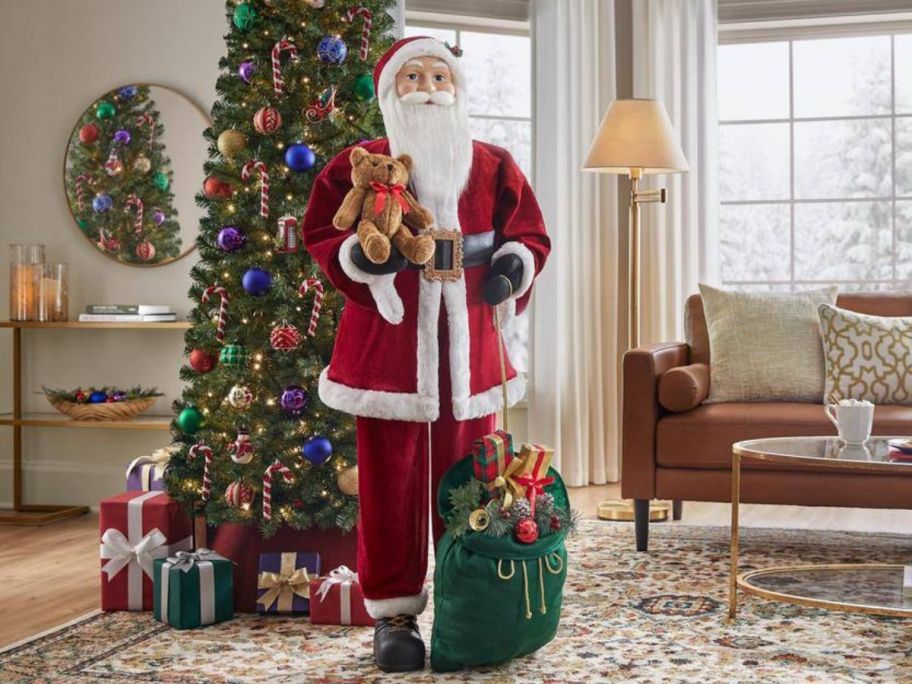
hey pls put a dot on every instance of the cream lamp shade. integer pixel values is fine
(636, 134)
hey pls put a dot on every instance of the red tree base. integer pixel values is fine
(244, 543)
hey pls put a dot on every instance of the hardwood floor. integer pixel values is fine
(49, 575)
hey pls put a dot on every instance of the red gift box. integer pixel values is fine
(137, 528)
(337, 599)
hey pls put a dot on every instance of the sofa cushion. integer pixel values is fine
(867, 357)
(684, 387)
(703, 438)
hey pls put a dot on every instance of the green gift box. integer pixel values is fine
(191, 590)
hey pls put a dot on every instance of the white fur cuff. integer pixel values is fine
(402, 605)
(528, 262)
(382, 287)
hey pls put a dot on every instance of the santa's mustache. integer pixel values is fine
(438, 97)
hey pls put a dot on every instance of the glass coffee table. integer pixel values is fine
(875, 589)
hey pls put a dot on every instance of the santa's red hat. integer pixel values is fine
(409, 48)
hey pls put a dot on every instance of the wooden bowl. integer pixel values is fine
(114, 410)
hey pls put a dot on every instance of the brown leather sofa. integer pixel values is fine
(676, 447)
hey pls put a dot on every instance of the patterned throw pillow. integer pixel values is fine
(867, 357)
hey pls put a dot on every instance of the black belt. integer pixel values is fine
(476, 250)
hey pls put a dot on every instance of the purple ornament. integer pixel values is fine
(246, 70)
(119, 395)
(294, 400)
(122, 136)
(231, 239)
(158, 216)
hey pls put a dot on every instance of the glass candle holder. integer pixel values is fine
(26, 271)
(54, 299)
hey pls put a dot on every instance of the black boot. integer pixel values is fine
(398, 646)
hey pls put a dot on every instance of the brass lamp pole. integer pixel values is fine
(635, 138)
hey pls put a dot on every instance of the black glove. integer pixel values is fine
(394, 264)
(503, 279)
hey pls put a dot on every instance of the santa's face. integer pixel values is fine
(425, 80)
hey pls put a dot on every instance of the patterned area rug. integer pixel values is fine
(656, 617)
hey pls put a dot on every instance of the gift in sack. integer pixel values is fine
(283, 582)
(147, 473)
(491, 456)
(193, 590)
(337, 599)
(136, 529)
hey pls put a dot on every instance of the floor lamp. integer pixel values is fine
(635, 139)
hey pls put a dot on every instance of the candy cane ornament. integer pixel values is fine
(365, 31)
(284, 45)
(276, 467)
(136, 203)
(81, 180)
(200, 449)
(260, 167)
(147, 120)
(287, 239)
(211, 291)
(314, 284)
(324, 106)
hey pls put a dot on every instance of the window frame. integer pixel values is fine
(791, 32)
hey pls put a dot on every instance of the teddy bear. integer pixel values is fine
(386, 208)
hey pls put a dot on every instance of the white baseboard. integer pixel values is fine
(61, 467)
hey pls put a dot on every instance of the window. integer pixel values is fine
(815, 153)
(500, 109)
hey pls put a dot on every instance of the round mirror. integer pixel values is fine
(134, 164)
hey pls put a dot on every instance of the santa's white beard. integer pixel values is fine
(438, 140)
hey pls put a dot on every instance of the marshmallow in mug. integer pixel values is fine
(854, 402)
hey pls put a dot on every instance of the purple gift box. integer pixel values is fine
(147, 473)
(283, 581)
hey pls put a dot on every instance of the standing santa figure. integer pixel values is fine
(416, 354)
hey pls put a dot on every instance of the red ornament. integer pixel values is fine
(526, 531)
(88, 134)
(298, 504)
(110, 400)
(239, 495)
(145, 250)
(215, 188)
(285, 337)
(201, 361)
(80, 396)
(267, 120)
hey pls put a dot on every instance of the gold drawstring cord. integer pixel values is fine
(503, 365)
(543, 609)
(560, 563)
(526, 590)
(500, 570)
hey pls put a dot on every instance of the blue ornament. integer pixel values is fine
(317, 450)
(98, 397)
(299, 157)
(257, 282)
(102, 202)
(128, 91)
(231, 239)
(332, 50)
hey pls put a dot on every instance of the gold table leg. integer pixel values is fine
(733, 570)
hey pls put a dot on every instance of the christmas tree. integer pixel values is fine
(118, 178)
(256, 444)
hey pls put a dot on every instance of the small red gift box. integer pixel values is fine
(136, 528)
(337, 599)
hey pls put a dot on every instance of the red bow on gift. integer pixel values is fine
(534, 485)
(383, 190)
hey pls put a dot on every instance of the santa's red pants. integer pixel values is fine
(393, 470)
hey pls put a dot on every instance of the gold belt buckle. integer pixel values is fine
(446, 264)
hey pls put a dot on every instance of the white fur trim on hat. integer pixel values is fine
(382, 287)
(423, 47)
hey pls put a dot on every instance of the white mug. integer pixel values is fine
(852, 418)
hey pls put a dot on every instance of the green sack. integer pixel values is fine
(494, 598)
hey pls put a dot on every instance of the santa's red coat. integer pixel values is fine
(385, 362)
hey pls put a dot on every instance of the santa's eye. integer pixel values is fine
(412, 76)
(440, 78)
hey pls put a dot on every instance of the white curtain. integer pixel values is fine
(674, 45)
(574, 398)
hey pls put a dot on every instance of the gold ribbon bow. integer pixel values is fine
(512, 489)
(282, 588)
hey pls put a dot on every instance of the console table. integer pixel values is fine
(40, 514)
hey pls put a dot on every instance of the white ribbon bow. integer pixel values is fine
(116, 547)
(184, 560)
(341, 575)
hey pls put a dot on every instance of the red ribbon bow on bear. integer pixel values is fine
(383, 190)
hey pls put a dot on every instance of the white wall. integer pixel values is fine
(57, 56)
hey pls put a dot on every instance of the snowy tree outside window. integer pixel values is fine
(815, 151)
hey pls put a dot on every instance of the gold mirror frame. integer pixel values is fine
(150, 84)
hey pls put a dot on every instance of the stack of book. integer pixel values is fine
(128, 313)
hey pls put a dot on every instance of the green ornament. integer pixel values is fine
(82, 223)
(104, 110)
(190, 419)
(233, 356)
(160, 180)
(244, 16)
(363, 87)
